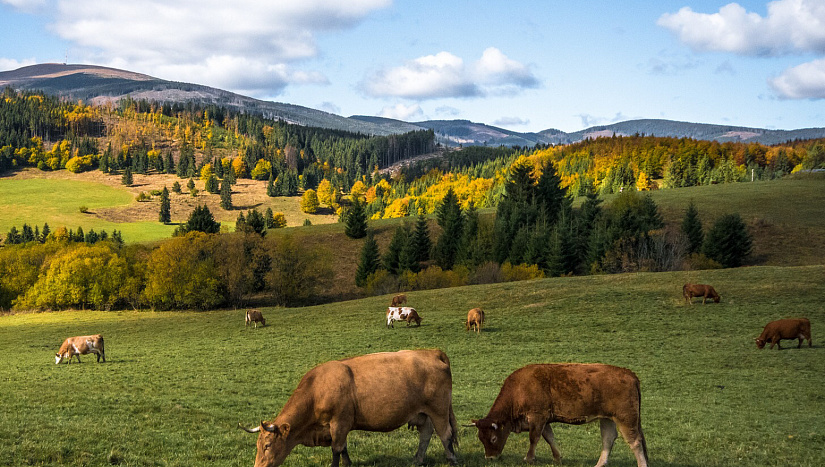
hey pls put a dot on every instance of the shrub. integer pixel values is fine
(143, 196)
(520, 272)
(381, 282)
(83, 209)
(156, 192)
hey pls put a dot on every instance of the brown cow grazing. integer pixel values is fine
(699, 290)
(374, 392)
(81, 345)
(255, 317)
(790, 328)
(398, 300)
(536, 395)
(475, 319)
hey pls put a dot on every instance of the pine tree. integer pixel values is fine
(269, 217)
(226, 195)
(370, 260)
(176, 187)
(165, 213)
(692, 228)
(190, 184)
(270, 186)
(168, 163)
(201, 220)
(356, 223)
(45, 232)
(127, 179)
(728, 242)
(550, 194)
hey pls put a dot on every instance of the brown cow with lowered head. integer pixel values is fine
(81, 345)
(534, 396)
(255, 317)
(398, 300)
(475, 319)
(789, 328)
(374, 392)
(699, 290)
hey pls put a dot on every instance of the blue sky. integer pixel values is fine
(519, 64)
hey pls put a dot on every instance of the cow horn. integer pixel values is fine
(469, 424)
(269, 428)
(248, 430)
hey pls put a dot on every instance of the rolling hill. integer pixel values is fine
(97, 84)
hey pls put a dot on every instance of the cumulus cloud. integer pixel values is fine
(402, 112)
(511, 121)
(330, 107)
(446, 75)
(447, 110)
(591, 120)
(790, 26)
(261, 40)
(25, 5)
(806, 81)
(12, 64)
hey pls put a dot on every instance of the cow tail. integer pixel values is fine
(642, 433)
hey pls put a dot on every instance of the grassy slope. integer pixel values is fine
(177, 384)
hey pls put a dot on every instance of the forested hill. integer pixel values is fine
(96, 85)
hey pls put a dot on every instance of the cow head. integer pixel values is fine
(58, 358)
(492, 435)
(760, 344)
(263, 321)
(272, 443)
(715, 298)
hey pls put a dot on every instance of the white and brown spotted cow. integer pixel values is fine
(402, 313)
(81, 345)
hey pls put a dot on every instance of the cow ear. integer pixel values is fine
(284, 428)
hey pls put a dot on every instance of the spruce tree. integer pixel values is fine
(45, 232)
(452, 222)
(201, 220)
(165, 213)
(728, 242)
(370, 260)
(269, 217)
(226, 194)
(392, 258)
(356, 223)
(212, 185)
(692, 228)
(127, 179)
(190, 184)
(421, 239)
(168, 163)
(176, 187)
(270, 186)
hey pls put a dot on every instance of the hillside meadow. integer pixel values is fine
(176, 384)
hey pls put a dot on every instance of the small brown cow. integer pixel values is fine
(255, 317)
(475, 319)
(699, 290)
(789, 328)
(399, 299)
(534, 396)
(81, 345)
(375, 392)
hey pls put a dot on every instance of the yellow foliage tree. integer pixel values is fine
(207, 172)
(309, 202)
(327, 194)
(358, 190)
(239, 166)
(280, 220)
(642, 182)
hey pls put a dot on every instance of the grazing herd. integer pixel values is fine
(382, 392)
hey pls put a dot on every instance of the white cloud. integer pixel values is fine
(806, 81)
(445, 75)
(25, 5)
(12, 64)
(591, 120)
(511, 121)
(791, 26)
(260, 40)
(447, 110)
(402, 112)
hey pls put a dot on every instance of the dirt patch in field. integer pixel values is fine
(246, 194)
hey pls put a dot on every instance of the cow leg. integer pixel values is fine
(548, 436)
(339, 444)
(634, 437)
(445, 429)
(609, 435)
(536, 431)
(425, 433)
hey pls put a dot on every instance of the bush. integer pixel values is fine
(143, 196)
(521, 272)
(83, 209)
(381, 282)
(487, 273)
(156, 192)
(698, 261)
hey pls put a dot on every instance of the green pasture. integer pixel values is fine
(57, 202)
(176, 384)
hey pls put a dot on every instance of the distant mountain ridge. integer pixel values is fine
(97, 84)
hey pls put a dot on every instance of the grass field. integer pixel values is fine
(176, 384)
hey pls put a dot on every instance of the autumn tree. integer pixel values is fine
(165, 213)
(181, 274)
(309, 202)
(327, 194)
(298, 272)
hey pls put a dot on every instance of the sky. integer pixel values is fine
(524, 65)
